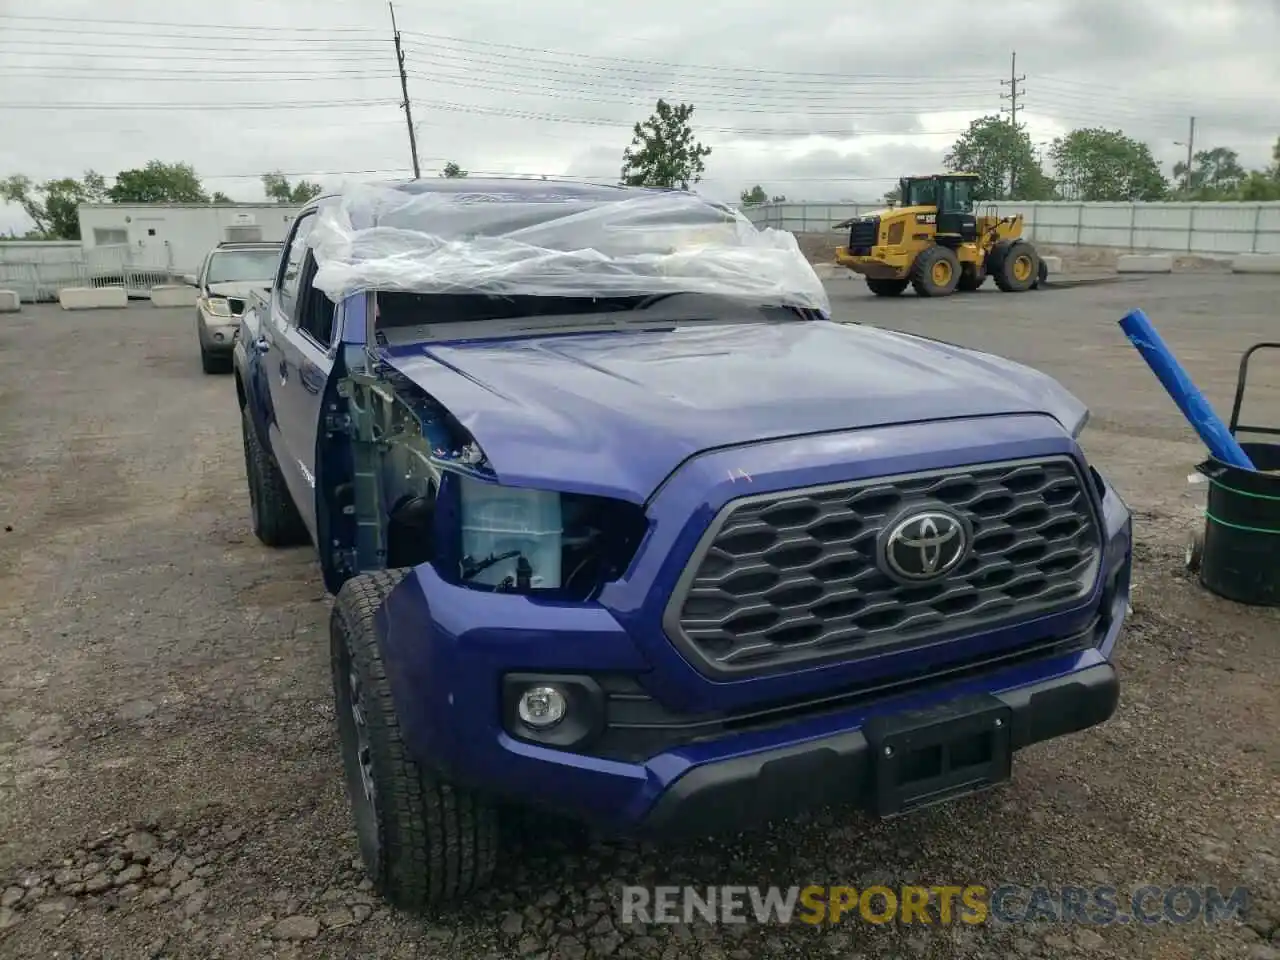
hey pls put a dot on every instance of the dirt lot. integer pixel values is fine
(169, 782)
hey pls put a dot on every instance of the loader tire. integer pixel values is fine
(971, 278)
(423, 840)
(276, 522)
(883, 287)
(1019, 268)
(936, 272)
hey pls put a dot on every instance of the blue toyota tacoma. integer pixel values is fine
(621, 524)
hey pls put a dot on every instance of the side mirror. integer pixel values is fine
(189, 279)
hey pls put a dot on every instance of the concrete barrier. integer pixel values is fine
(173, 295)
(92, 298)
(1052, 264)
(9, 302)
(1256, 263)
(1144, 263)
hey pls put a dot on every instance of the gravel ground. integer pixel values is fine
(169, 783)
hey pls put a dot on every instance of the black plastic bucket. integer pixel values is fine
(1241, 553)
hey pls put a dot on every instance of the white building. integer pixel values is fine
(173, 238)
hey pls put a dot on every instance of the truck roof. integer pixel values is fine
(516, 191)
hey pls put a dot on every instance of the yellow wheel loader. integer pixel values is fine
(935, 242)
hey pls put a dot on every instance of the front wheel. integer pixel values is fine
(276, 521)
(212, 363)
(1018, 268)
(423, 841)
(882, 287)
(936, 272)
(971, 278)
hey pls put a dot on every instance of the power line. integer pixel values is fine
(194, 76)
(565, 55)
(551, 63)
(179, 51)
(185, 107)
(637, 100)
(222, 28)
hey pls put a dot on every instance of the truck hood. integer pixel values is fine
(238, 288)
(615, 413)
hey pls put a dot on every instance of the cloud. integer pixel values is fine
(804, 98)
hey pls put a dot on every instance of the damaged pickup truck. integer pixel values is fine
(622, 524)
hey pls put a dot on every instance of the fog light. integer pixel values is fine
(541, 707)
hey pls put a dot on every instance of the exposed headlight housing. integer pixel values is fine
(521, 540)
(218, 306)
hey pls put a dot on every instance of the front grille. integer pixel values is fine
(784, 579)
(862, 236)
(237, 306)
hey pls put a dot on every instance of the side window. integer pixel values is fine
(292, 268)
(315, 312)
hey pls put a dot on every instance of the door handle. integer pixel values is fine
(284, 370)
(261, 345)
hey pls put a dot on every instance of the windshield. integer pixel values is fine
(233, 266)
(406, 317)
(957, 195)
(643, 244)
(919, 193)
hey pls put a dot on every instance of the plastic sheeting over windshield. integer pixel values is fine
(555, 244)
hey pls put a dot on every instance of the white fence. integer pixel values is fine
(38, 269)
(1213, 228)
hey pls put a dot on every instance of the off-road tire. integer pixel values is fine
(276, 521)
(423, 841)
(1042, 275)
(1018, 269)
(925, 272)
(971, 278)
(886, 287)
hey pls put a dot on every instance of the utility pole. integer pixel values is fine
(1191, 146)
(404, 89)
(1012, 96)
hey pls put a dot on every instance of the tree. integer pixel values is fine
(452, 171)
(158, 182)
(756, 195)
(1004, 160)
(893, 195)
(1259, 186)
(663, 152)
(54, 205)
(1215, 175)
(276, 186)
(220, 197)
(1097, 164)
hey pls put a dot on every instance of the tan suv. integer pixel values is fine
(229, 273)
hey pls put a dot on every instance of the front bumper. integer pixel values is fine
(886, 264)
(838, 770)
(713, 749)
(217, 334)
(448, 696)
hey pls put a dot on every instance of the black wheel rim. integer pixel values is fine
(357, 754)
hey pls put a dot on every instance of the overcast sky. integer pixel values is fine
(815, 100)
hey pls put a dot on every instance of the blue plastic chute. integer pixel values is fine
(1184, 392)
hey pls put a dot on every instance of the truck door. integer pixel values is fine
(297, 363)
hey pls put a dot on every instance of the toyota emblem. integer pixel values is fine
(925, 545)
